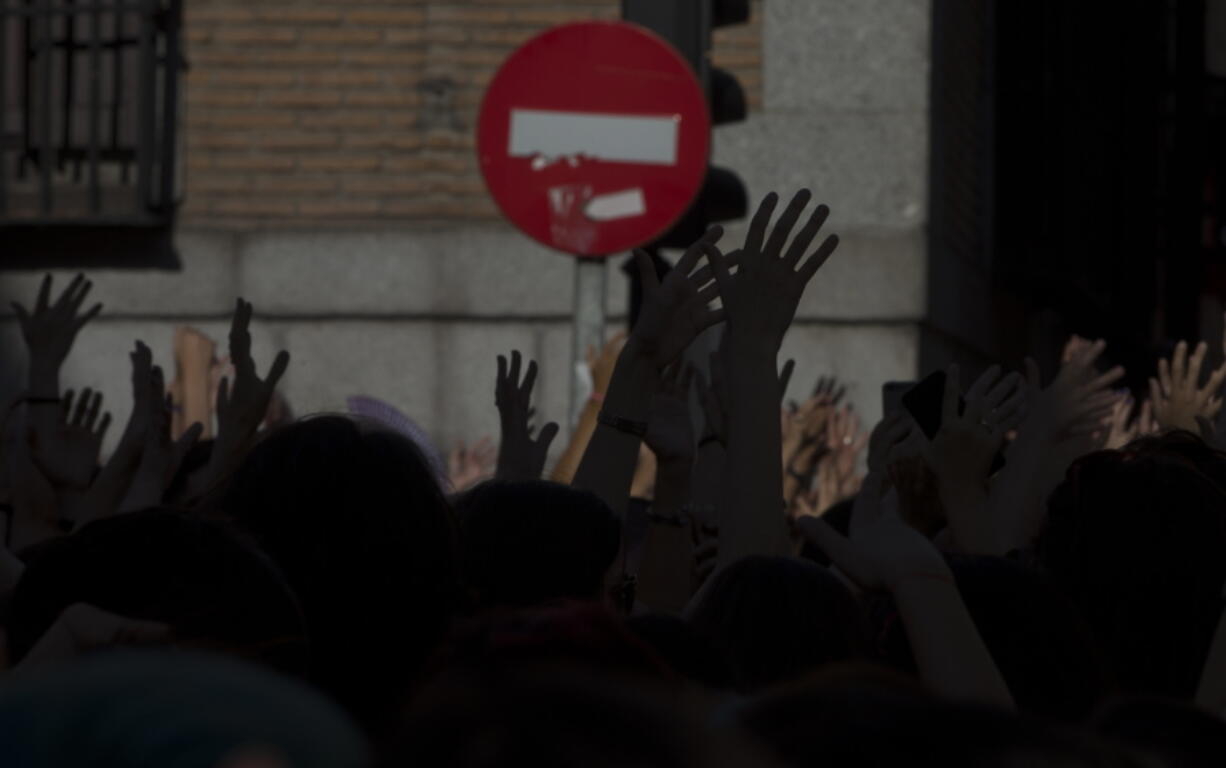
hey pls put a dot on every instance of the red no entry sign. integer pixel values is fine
(593, 137)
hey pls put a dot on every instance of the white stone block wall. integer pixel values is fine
(416, 315)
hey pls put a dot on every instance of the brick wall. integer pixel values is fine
(350, 112)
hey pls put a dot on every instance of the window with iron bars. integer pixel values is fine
(89, 106)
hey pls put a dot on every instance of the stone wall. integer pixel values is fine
(415, 311)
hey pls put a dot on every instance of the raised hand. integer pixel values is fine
(762, 297)
(828, 390)
(520, 456)
(670, 431)
(1077, 400)
(1122, 427)
(469, 465)
(242, 403)
(961, 453)
(885, 552)
(760, 302)
(70, 457)
(50, 330)
(1178, 398)
(838, 477)
(161, 455)
(676, 309)
(894, 436)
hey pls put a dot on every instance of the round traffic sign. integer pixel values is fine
(594, 137)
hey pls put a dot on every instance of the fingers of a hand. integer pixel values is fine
(181, 447)
(516, 363)
(806, 236)
(1215, 380)
(1005, 389)
(68, 298)
(949, 398)
(142, 356)
(706, 319)
(66, 406)
(689, 260)
(88, 316)
(543, 441)
(706, 274)
(819, 257)
(23, 316)
(525, 390)
(787, 221)
(1179, 363)
(502, 372)
(1107, 379)
(757, 229)
(44, 295)
(984, 383)
(1195, 361)
(719, 268)
(1164, 376)
(1033, 379)
(95, 406)
(158, 383)
(103, 425)
(647, 270)
(785, 376)
(223, 396)
(280, 364)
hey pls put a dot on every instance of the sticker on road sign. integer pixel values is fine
(594, 137)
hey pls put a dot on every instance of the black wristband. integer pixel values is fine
(628, 426)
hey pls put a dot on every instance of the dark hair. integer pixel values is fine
(1175, 732)
(1137, 539)
(529, 542)
(581, 633)
(861, 717)
(1038, 640)
(775, 618)
(551, 714)
(357, 521)
(212, 588)
(688, 652)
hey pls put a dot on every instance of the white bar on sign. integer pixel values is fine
(616, 205)
(616, 138)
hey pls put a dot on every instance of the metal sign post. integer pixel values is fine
(587, 326)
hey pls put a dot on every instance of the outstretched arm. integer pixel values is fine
(674, 312)
(885, 552)
(760, 301)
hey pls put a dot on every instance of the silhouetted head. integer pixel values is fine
(1137, 539)
(1035, 635)
(776, 618)
(558, 714)
(211, 587)
(688, 652)
(529, 542)
(1169, 732)
(861, 718)
(355, 518)
(171, 709)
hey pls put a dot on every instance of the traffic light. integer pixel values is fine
(688, 25)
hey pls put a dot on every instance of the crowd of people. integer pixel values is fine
(1030, 573)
